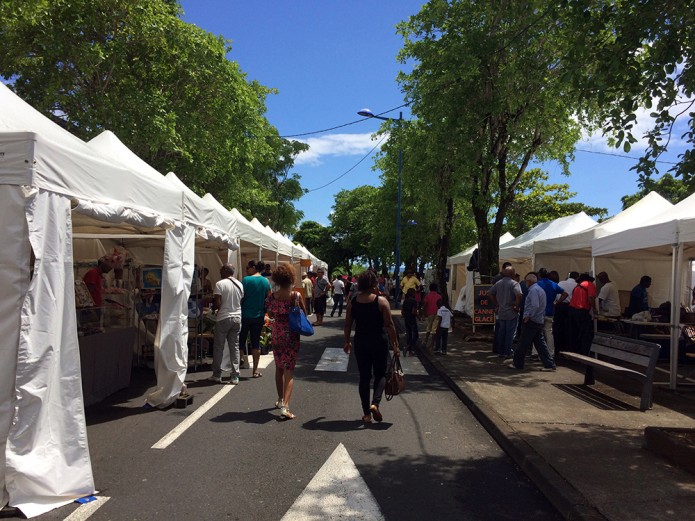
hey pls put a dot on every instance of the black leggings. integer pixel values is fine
(371, 356)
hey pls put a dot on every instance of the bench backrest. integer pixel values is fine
(630, 350)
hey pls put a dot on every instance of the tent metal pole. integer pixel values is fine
(677, 248)
(593, 274)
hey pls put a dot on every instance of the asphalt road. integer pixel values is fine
(429, 459)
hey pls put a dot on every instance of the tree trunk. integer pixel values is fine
(443, 249)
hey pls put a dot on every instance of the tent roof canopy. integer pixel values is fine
(38, 152)
(464, 256)
(642, 211)
(656, 236)
(522, 246)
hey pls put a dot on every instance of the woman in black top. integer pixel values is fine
(372, 316)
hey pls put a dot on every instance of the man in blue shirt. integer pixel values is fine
(256, 289)
(532, 326)
(639, 298)
(552, 290)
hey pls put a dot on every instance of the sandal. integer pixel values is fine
(375, 413)
(367, 418)
(257, 375)
(285, 413)
(279, 404)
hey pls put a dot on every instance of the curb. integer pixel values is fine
(569, 502)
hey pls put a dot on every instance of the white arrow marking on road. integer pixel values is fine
(333, 359)
(86, 510)
(337, 491)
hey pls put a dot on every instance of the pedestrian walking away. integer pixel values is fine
(285, 342)
(338, 290)
(227, 302)
(320, 294)
(430, 311)
(446, 321)
(256, 289)
(374, 329)
(409, 313)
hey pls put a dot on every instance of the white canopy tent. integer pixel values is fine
(519, 251)
(663, 248)
(573, 252)
(458, 279)
(202, 221)
(44, 172)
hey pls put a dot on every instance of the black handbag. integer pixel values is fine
(395, 379)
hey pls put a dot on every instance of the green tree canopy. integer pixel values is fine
(538, 202)
(635, 54)
(163, 86)
(671, 189)
(488, 82)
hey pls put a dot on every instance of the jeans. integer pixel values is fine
(337, 303)
(411, 333)
(532, 333)
(504, 336)
(226, 330)
(442, 339)
(251, 327)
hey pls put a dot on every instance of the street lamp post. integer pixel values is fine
(369, 114)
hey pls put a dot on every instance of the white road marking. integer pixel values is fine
(177, 431)
(413, 365)
(333, 359)
(87, 509)
(337, 491)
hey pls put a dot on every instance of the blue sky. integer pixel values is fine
(330, 59)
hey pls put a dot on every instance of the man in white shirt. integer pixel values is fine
(228, 294)
(608, 297)
(338, 295)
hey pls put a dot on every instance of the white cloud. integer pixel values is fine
(644, 123)
(335, 145)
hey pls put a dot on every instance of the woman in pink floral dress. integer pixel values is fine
(285, 343)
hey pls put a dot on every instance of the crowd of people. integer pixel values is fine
(241, 309)
(542, 315)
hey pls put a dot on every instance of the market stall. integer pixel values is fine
(51, 184)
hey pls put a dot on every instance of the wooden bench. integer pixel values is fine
(622, 353)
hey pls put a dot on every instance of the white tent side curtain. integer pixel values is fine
(46, 467)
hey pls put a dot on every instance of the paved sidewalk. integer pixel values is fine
(582, 446)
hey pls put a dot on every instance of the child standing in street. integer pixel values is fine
(409, 312)
(446, 320)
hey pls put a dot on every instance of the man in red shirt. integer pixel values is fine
(582, 311)
(430, 309)
(94, 279)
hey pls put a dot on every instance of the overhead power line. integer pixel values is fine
(614, 154)
(349, 169)
(343, 125)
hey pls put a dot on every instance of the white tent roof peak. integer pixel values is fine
(522, 246)
(632, 217)
(464, 256)
(40, 153)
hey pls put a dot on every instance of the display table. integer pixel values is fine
(106, 360)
